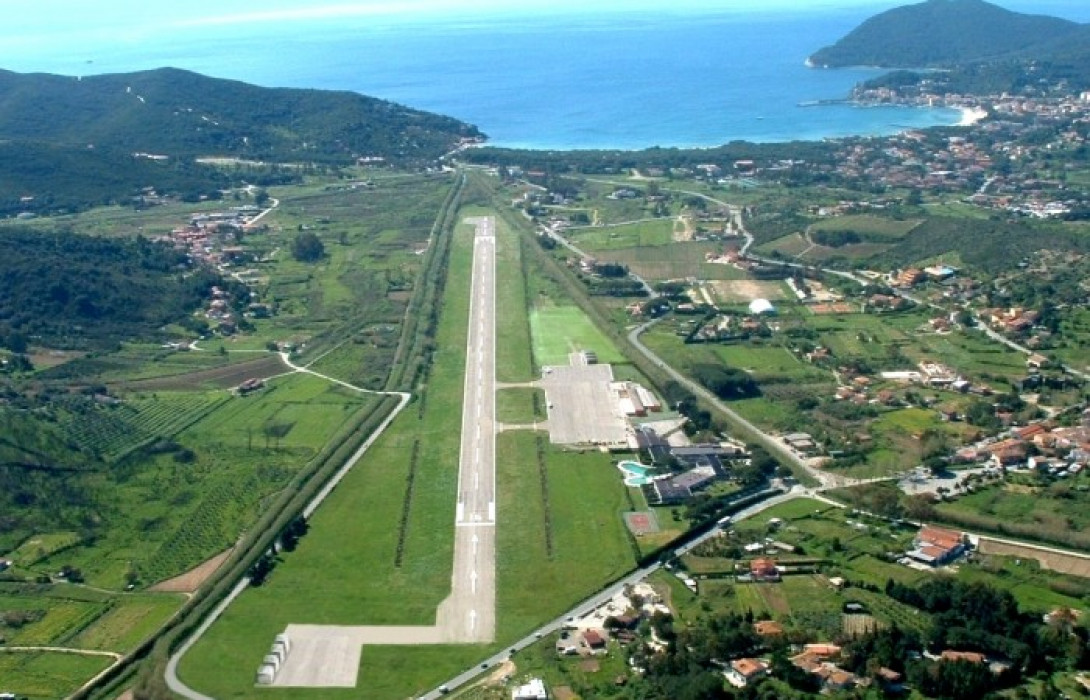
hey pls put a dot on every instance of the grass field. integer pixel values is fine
(641, 234)
(676, 261)
(514, 358)
(560, 330)
(520, 406)
(181, 511)
(47, 676)
(868, 226)
(128, 622)
(1057, 512)
(553, 552)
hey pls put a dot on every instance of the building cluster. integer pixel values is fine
(695, 467)
(212, 237)
(936, 546)
(1045, 448)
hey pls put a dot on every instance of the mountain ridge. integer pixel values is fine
(185, 114)
(67, 143)
(945, 34)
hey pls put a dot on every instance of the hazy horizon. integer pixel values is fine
(31, 24)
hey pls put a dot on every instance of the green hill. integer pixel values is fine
(72, 143)
(181, 114)
(946, 33)
(71, 291)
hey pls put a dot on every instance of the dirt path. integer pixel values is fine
(686, 232)
(62, 650)
(191, 580)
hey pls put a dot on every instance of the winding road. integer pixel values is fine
(173, 681)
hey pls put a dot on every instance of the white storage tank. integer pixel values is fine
(284, 639)
(266, 675)
(271, 660)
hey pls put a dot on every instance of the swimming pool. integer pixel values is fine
(635, 474)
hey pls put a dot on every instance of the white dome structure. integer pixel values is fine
(761, 306)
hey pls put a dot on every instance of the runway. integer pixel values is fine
(329, 655)
(469, 614)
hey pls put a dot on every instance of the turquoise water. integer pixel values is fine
(585, 80)
(635, 473)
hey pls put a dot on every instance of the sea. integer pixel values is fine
(544, 80)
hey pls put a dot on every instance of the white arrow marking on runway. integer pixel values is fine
(473, 581)
(472, 620)
(476, 541)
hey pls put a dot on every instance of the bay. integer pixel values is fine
(568, 81)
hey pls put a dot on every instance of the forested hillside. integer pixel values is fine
(67, 144)
(946, 33)
(182, 114)
(69, 291)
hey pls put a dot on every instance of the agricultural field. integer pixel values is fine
(1054, 512)
(111, 431)
(127, 622)
(191, 495)
(868, 227)
(232, 370)
(856, 548)
(48, 675)
(676, 261)
(601, 240)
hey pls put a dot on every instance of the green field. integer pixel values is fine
(641, 234)
(1055, 512)
(868, 226)
(857, 548)
(520, 406)
(48, 676)
(676, 261)
(128, 622)
(561, 330)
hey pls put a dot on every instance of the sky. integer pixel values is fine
(25, 18)
(37, 24)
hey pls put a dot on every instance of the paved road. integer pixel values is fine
(769, 441)
(555, 235)
(600, 598)
(173, 682)
(469, 614)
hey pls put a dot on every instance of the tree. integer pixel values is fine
(307, 247)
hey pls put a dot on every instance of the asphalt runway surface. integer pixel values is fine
(324, 656)
(469, 614)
